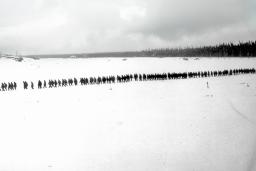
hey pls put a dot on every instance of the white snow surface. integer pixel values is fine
(178, 125)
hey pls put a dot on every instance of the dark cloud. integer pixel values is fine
(172, 19)
(63, 26)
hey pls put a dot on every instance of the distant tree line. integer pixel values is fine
(111, 79)
(242, 49)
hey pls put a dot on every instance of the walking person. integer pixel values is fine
(32, 85)
(39, 85)
(14, 85)
(25, 85)
(45, 84)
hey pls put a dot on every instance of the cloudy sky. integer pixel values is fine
(68, 26)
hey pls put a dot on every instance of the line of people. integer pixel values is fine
(53, 83)
(9, 86)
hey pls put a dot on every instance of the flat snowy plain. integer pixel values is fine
(178, 125)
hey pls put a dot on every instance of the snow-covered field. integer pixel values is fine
(178, 125)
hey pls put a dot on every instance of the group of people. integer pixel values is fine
(9, 86)
(54, 83)
(182, 75)
(57, 83)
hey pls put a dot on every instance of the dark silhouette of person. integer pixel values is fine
(45, 85)
(25, 85)
(59, 83)
(75, 81)
(15, 85)
(39, 85)
(32, 85)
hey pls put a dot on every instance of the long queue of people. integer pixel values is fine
(54, 83)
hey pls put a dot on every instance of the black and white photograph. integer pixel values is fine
(127, 85)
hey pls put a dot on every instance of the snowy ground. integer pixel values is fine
(176, 125)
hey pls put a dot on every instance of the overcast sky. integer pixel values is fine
(68, 26)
